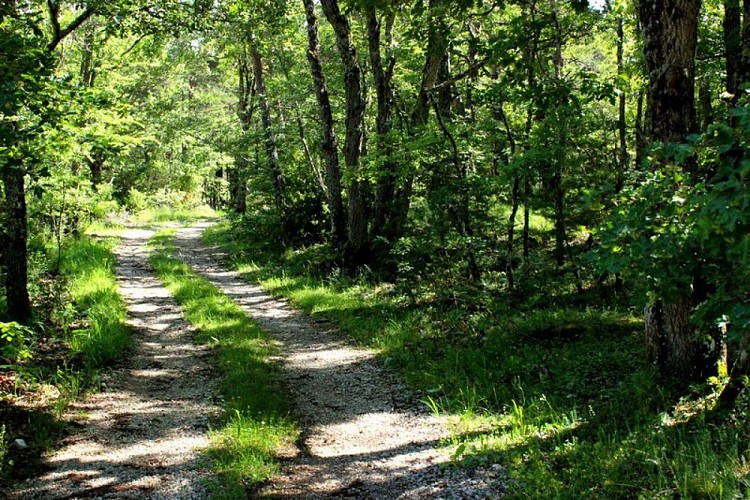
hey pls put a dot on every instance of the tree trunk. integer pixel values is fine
(245, 109)
(670, 37)
(330, 143)
(357, 243)
(560, 160)
(16, 279)
(272, 151)
(623, 159)
(385, 194)
(640, 134)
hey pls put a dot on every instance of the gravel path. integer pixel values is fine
(138, 437)
(363, 435)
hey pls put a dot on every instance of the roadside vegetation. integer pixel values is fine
(79, 328)
(561, 396)
(256, 423)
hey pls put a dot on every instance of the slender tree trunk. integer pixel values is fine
(272, 151)
(562, 138)
(623, 160)
(640, 134)
(330, 143)
(245, 109)
(16, 279)
(514, 200)
(670, 37)
(384, 209)
(357, 243)
(531, 54)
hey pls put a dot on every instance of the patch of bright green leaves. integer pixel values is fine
(256, 426)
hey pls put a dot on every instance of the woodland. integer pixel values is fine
(536, 211)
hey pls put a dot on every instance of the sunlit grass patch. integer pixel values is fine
(256, 424)
(170, 214)
(103, 335)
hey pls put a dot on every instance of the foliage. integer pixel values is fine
(666, 230)
(15, 342)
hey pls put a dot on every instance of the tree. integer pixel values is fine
(670, 39)
(357, 242)
(329, 140)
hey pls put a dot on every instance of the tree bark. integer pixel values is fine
(623, 159)
(330, 143)
(245, 109)
(16, 280)
(272, 152)
(670, 37)
(357, 243)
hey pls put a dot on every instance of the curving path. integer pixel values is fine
(363, 436)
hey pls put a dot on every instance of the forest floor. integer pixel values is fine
(363, 434)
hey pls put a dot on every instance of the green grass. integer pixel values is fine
(559, 394)
(103, 334)
(256, 424)
(171, 214)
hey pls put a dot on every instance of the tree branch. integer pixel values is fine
(60, 34)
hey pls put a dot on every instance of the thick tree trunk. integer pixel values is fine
(272, 152)
(16, 274)
(670, 38)
(670, 30)
(357, 243)
(330, 143)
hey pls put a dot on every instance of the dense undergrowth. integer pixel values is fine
(79, 328)
(255, 426)
(554, 387)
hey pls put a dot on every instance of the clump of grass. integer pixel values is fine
(256, 423)
(102, 335)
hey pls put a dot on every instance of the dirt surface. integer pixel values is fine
(138, 437)
(364, 436)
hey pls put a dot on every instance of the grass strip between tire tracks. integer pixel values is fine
(256, 425)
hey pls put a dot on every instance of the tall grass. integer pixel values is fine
(256, 423)
(101, 334)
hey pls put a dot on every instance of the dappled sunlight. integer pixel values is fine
(142, 433)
